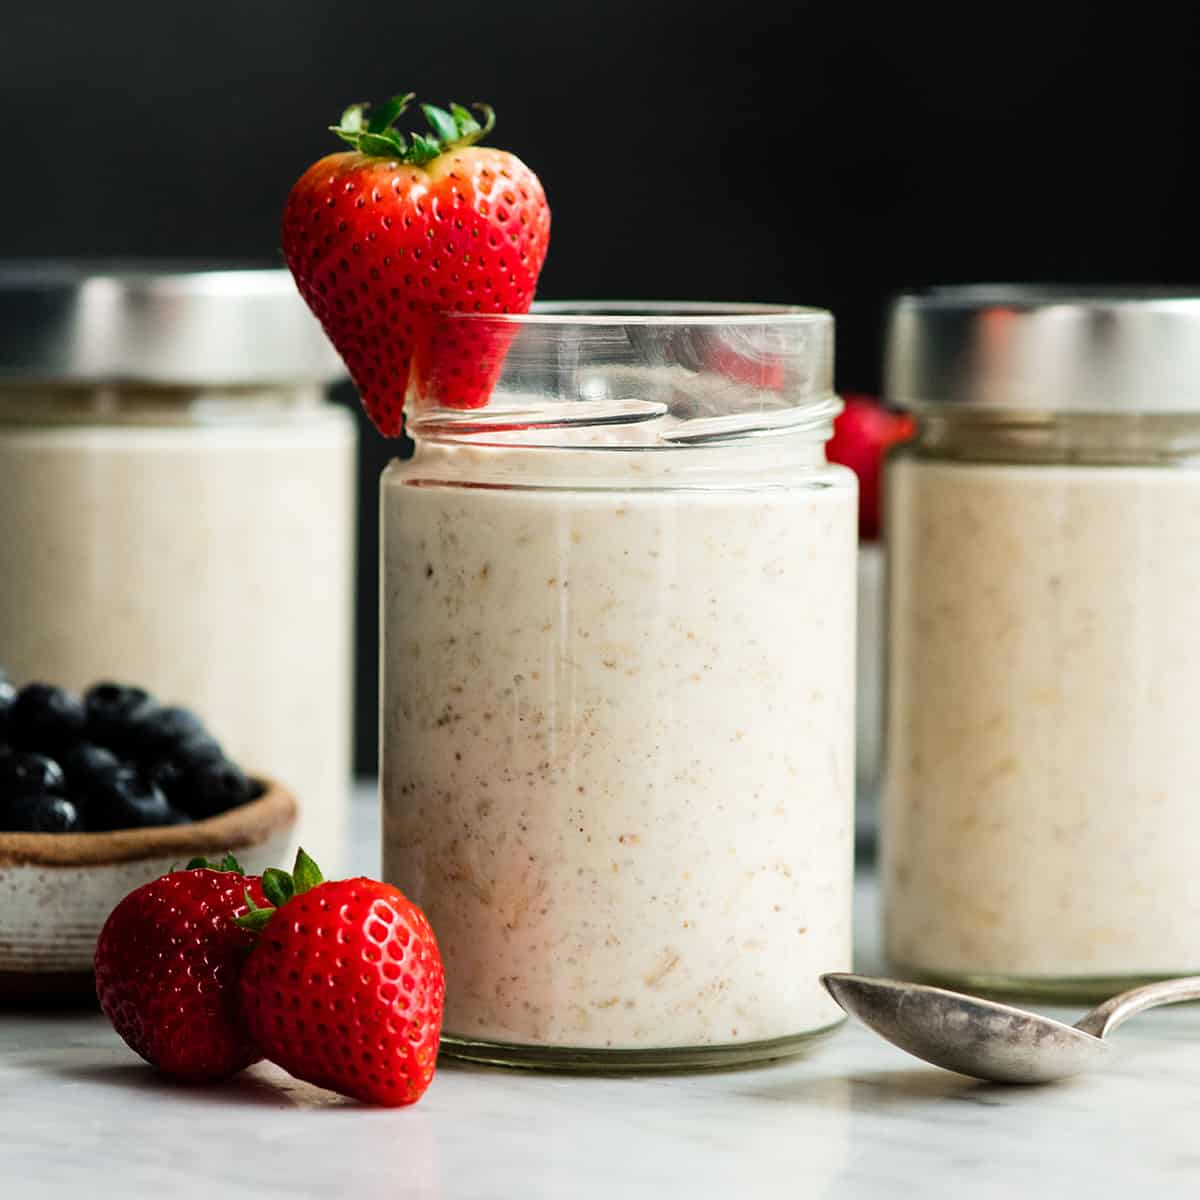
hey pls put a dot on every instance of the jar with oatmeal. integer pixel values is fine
(178, 499)
(618, 659)
(1041, 831)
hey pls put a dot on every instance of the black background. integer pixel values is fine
(828, 154)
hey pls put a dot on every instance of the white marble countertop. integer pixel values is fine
(81, 1116)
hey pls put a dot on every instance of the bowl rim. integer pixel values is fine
(237, 829)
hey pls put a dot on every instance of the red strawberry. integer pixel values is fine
(381, 237)
(345, 986)
(167, 965)
(861, 434)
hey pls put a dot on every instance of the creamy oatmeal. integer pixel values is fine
(1041, 816)
(618, 739)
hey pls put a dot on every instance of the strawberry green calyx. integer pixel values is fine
(374, 134)
(228, 864)
(279, 887)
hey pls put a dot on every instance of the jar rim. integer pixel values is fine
(583, 313)
(679, 372)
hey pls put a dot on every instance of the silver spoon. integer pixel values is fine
(990, 1040)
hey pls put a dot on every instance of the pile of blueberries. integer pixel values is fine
(113, 758)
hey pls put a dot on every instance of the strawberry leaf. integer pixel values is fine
(257, 920)
(277, 886)
(382, 145)
(228, 864)
(489, 123)
(350, 128)
(441, 122)
(423, 148)
(352, 119)
(305, 874)
(465, 122)
(387, 113)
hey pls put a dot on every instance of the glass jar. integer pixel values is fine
(178, 502)
(618, 712)
(1041, 832)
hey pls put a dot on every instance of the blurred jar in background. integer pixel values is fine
(862, 434)
(178, 509)
(1041, 832)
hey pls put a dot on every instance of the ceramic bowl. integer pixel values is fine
(56, 890)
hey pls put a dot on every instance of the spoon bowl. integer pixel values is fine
(990, 1040)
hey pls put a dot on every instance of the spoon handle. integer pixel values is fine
(1102, 1020)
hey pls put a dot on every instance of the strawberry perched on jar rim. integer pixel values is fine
(167, 965)
(387, 238)
(345, 986)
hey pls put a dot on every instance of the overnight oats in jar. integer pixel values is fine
(178, 499)
(1040, 830)
(618, 658)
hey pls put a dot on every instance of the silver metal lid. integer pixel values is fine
(1049, 349)
(167, 324)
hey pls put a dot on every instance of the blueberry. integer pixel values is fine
(45, 717)
(122, 799)
(200, 747)
(114, 710)
(39, 812)
(25, 774)
(208, 788)
(160, 732)
(84, 761)
(167, 772)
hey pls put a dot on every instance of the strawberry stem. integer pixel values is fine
(377, 137)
